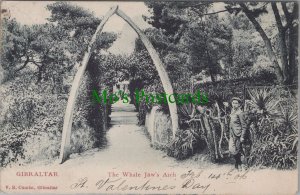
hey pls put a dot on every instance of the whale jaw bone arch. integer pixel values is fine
(68, 118)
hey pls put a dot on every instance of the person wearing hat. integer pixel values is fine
(237, 130)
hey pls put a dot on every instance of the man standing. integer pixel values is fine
(237, 129)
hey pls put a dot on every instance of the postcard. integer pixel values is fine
(149, 97)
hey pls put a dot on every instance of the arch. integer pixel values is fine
(68, 118)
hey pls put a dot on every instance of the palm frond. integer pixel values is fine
(264, 100)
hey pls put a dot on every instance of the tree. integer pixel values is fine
(44, 55)
(245, 47)
(201, 42)
(40, 49)
(79, 24)
(284, 60)
(174, 58)
(287, 26)
(207, 44)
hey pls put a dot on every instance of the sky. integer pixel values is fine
(35, 12)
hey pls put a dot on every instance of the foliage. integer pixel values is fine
(175, 19)
(275, 132)
(195, 44)
(29, 116)
(276, 152)
(144, 108)
(207, 44)
(288, 117)
(276, 149)
(182, 145)
(284, 47)
(172, 17)
(39, 61)
(271, 117)
(229, 48)
(263, 100)
(190, 139)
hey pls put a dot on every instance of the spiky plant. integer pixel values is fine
(288, 118)
(187, 111)
(293, 140)
(182, 146)
(264, 100)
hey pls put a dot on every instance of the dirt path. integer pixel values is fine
(129, 151)
(128, 146)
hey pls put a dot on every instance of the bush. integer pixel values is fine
(271, 115)
(275, 135)
(276, 152)
(32, 122)
(181, 147)
(27, 118)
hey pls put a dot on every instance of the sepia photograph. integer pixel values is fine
(149, 97)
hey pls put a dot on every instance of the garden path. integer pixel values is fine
(129, 150)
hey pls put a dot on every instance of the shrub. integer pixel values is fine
(278, 152)
(189, 139)
(29, 117)
(182, 146)
(32, 122)
(275, 133)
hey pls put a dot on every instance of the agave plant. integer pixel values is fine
(263, 100)
(189, 140)
(187, 111)
(287, 117)
(182, 146)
